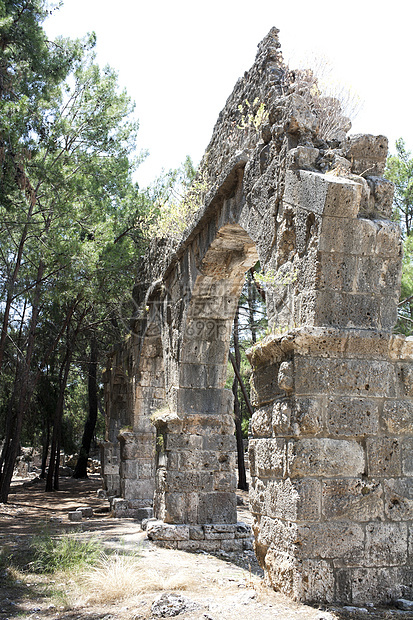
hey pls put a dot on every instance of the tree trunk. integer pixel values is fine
(25, 394)
(52, 479)
(81, 465)
(45, 448)
(242, 478)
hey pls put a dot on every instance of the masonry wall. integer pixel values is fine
(331, 465)
(330, 453)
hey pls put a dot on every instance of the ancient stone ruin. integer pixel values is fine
(331, 449)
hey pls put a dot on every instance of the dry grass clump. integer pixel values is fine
(119, 577)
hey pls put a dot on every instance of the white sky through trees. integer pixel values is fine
(179, 60)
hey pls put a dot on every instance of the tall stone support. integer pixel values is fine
(196, 460)
(129, 449)
(116, 398)
(331, 464)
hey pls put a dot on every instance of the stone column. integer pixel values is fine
(331, 464)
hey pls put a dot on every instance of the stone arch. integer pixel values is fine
(196, 478)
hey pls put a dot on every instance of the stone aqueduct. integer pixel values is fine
(331, 449)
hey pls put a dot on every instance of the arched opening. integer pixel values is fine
(196, 475)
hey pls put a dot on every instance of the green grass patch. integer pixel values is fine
(51, 554)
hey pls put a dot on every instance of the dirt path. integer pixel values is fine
(198, 585)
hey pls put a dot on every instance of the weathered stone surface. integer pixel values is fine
(368, 153)
(398, 498)
(407, 457)
(325, 457)
(267, 457)
(292, 500)
(386, 544)
(352, 417)
(330, 196)
(383, 456)
(352, 499)
(164, 531)
(338, 541)
(344, 377)
(398, 416)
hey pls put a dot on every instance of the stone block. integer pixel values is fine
(86, 512)
(292, 499)
(261, 422)
(352, 417)
(337, 271)
(302, 157)
(407, 379)
(283, 535)
(398, 416)
(231, 545)
(283, 572)
(134, 489)
(190, 545)
(209, 346)
(340, 541)
(220, 531)
(177, 507)
(347, 377)
(208, 424)
(189, 481)
(225, 481)
(383, 456)
(217, 508)
(407, 457)
(317, 581)
(204, 401)
(322, 194)
(196, 532)
(75, 515)
(375, 585)
(388, 311)
(342, 309)
(175, 441)
(325, 457)
(136, 446)
(352, 499)
(386, 544)
(265, 384)
(129, 469)
(389, 242)
(202, 375)
(188, 460)
(256, 495)
(219, 443)
(348, 236)
(158, 530)
(398, 499)
(307, 416)
(367, 153)
(267, 457)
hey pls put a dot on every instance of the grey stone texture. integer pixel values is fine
(331, 446)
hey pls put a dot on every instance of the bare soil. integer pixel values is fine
(224, 587)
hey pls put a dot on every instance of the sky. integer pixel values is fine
(179, 60)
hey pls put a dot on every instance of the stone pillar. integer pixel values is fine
(331, 464)
(196, 459)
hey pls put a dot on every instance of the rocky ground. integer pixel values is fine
(157, 583)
